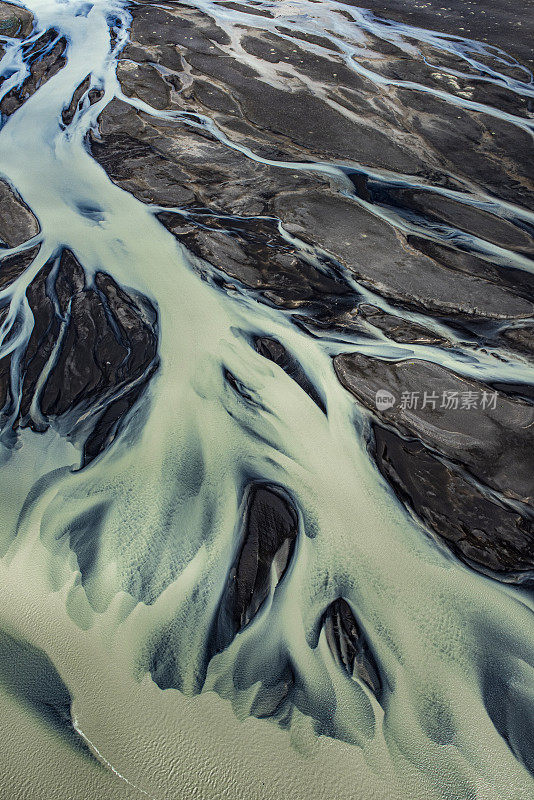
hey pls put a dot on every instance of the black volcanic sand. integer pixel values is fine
(14, 21)
(467, 475)
(105, 353)
(42, 68)
(509, 26)
(431, 456)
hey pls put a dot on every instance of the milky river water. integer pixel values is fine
(454, 647)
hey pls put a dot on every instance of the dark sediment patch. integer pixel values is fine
(349, 645)
(488, 227)
(503, 168)
(69, 111)
(17, 223)
(324, 110)
(521, 338)
(508, 27)
(254, 252)
(42, 66)
(519, 282)
(396, 328)
(495, 444)
(274, 351)
(477, 528)
(5, 364)
(15, 22)
(444, 462)
(90, 355)
(160, 162)
(382, 259)
(268, 539)
(12, 267)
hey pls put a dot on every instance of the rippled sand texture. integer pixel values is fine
(224, 572)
